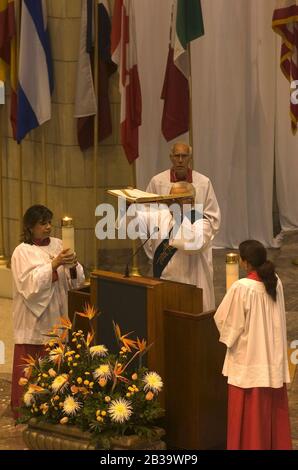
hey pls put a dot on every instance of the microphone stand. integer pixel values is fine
(126, 272)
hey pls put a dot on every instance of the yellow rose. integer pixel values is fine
(86, 382)
(79, 380)
(103, 413)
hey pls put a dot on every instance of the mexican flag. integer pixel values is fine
(186, 25)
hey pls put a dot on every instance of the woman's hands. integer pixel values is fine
(65, 257)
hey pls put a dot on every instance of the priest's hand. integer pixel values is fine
(65, 257)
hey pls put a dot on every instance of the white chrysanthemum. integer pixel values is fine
(28, 399)
(152, 382)
(102, 372)
(55, 354)
(120, 410)
(71, 406)
(60, 382)
(99, 350)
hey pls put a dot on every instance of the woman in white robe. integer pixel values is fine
(252, 324)
(41, 280)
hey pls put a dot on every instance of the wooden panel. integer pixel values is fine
(196, 391)
(182, 297)
(125, 304)
(77, 299)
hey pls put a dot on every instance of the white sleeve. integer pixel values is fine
(211, 215)
(33, 281)
(230, 315)
(151, 188)
(188, 237)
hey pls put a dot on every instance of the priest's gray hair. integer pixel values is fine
(181, 143)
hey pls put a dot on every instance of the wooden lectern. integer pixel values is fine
(186, 351)
(137, 304)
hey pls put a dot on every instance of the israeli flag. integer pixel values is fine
(35, 69)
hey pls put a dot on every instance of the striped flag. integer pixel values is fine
(86, 104)
(8, 53)
(124, 54)
(285, 23)
(35, 69)
(186, 25)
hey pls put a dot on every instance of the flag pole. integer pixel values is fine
(95, 143)
(134, 268)
(20, 150)
(45, 165)
(3, 260)
(190, 103)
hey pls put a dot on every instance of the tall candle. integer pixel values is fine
(232, 269)
(68, 233)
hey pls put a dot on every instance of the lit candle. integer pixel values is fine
(68, 233)
(232, 269)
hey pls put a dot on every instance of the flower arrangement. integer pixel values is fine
(82, 384)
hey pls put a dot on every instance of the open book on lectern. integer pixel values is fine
(138, 196)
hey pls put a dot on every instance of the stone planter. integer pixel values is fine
(42, 436)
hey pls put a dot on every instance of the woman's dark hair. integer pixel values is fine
(255, 254)
(35, 214)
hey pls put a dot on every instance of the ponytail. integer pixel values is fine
(267, 275)
(255, 254)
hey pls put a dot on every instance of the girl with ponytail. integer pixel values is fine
(252, 324)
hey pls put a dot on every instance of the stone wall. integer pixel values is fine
(70, 172)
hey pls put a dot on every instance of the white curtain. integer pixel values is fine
(235, 98)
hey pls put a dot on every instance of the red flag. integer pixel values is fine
(124, 54)
(285, 23)
(8, 53)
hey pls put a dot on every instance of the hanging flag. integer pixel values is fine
(186, 25)
(124, 54)
(86, 103)
(35, 69)
(285, 23)
(8, 53)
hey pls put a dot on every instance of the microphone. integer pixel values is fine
(126, 273)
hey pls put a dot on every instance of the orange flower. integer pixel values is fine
(141, 344)
(89, 312)
(149, 396)
(89, 339)
(127, 343)
(64, 323)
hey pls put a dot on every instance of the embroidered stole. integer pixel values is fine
(163, 254)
